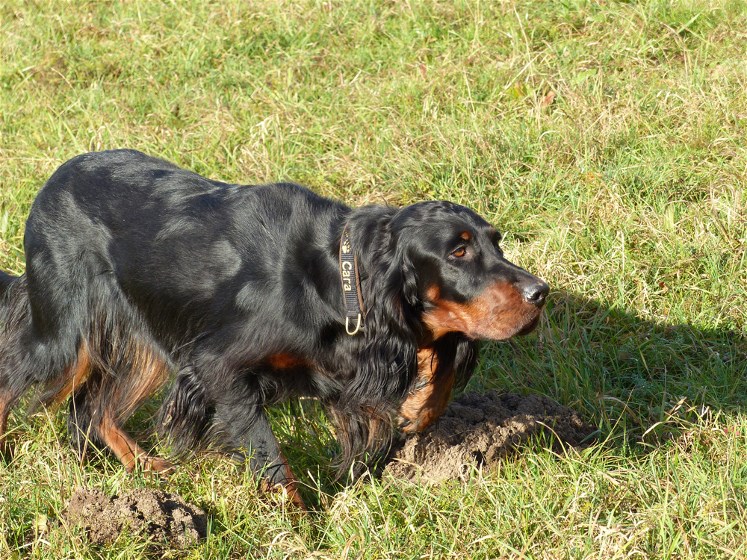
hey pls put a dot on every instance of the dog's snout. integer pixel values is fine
(535, 292)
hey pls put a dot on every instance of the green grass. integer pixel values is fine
(606, 139)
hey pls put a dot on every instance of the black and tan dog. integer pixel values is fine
(137, 269)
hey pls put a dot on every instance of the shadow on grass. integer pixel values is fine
(627, 375)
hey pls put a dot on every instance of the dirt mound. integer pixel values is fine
(477, 429)
(163, 518)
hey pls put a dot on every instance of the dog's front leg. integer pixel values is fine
(429, 395)
(250, 434)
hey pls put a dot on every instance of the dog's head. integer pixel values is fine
(456, 275)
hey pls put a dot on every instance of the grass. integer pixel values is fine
(606, 139)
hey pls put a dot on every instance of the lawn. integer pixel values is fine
(607, 140)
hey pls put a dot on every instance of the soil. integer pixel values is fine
(163, 518)
(478, 429)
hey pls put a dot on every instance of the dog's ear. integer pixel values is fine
(393, 295)
(409, 282)
(465, 359)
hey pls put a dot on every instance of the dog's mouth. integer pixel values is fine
(504, 332)
(530, 326)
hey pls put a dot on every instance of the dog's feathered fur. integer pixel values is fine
(136, 269)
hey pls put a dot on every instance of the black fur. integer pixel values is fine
(134, 265)
(5, 281)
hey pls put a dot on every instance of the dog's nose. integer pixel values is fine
(536, 292)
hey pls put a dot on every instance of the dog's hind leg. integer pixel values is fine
(7, 399)
(6, 403)
(126, 449)
(118, 366)
(72, 377)
(80, 420)
(99, 411)
(91, 427)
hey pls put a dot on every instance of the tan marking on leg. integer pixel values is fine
(285, 361)
(145, 372)
(148, 371)
(290, 486)
(122, 445)
(432, 391)
(73, 377)
(6, 402)
(129, 453)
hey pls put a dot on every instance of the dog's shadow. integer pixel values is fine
(624, 374)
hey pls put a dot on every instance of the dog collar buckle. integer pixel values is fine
(358, 325)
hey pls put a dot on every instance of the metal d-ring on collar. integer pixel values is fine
(351, 285)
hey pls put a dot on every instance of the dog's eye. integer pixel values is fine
(459, 252)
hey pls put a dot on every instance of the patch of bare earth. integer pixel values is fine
(163, 518)
(478, 429)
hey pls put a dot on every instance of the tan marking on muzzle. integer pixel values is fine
(497, 313)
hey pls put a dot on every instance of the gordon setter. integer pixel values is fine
(137, 269)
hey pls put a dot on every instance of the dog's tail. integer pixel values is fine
(15, 318)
